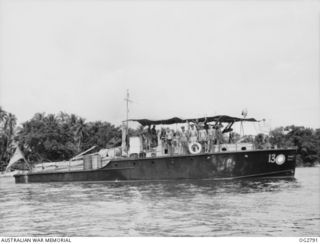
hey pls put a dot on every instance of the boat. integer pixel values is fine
(136, 160)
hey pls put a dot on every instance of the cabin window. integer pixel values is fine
(243, 148)
(224, 149)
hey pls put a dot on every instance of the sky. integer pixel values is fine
(176, 58)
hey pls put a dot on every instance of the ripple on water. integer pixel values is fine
(256, 207)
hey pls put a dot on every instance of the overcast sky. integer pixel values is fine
(177, 58)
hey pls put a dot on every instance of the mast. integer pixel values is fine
(127, 111)
(125, 127)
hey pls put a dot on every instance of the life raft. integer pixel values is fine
(195, 147)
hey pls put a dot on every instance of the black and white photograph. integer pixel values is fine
(178, 118)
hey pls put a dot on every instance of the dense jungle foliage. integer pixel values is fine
(53, 137)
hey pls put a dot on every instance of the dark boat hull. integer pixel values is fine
(213, 166)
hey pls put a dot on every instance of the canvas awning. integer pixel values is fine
(175, 120)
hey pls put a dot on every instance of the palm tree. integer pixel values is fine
(39, 116)
(3, 114)
(63, 117)
(51, 119)
(9, 125)
(72, 122)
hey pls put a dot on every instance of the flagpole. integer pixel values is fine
(127, 111)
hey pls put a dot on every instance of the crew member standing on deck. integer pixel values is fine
(211, 138)
(169, 137)
(203, 137)
(162, 140)
(176, 142)
(193, 134)
(154, 141)
(148, 137)
(219, 135)
(184, 136)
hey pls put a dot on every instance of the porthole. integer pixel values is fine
(134, 163)
(243, 148)
(224, 149)
(115, 165)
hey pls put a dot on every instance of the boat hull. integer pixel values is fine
(209, 166)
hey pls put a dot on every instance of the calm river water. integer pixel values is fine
(265, 207)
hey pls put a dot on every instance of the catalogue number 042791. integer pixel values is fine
(308, 239)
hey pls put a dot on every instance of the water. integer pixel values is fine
(265, 207)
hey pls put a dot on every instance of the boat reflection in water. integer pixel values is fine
(192, 187)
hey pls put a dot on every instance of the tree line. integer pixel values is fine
(53, 137)
(307, 141)
(58, 137)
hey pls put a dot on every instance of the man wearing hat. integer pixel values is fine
(203, 137)
(184, 140)
(193, 134)
(219, 135)
(211, 138)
